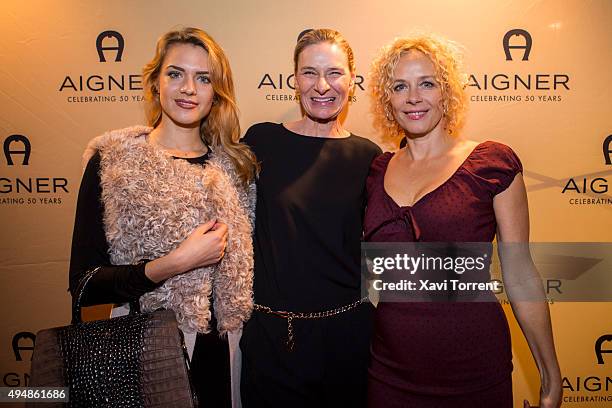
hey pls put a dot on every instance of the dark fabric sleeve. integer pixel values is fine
(250, 136)
(505, 166)
(374, 166)
(494, 165)
(112, 284)
(377, 166)
(377, 151)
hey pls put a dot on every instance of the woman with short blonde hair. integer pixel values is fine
(310, 202)
(447, 58)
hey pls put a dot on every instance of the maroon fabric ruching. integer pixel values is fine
(441, 354)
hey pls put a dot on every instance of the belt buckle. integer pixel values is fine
(281, 313)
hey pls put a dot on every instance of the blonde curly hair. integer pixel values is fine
(447, 59)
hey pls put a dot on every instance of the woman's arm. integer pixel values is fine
(204, 246)
(524, 287)
(124, 283)
(112, 284)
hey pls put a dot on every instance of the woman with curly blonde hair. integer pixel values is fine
(166, 210)
(447, 59)
(441, 187)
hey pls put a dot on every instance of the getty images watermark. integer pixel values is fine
(486, 272)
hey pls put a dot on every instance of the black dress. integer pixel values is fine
(210, 367)
(308, 227)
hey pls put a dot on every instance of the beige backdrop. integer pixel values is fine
(557, 126)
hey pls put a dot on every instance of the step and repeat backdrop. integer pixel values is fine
(539, 81)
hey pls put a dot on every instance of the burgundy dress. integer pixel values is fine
(441, 354)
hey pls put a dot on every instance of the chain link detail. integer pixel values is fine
(290, 316)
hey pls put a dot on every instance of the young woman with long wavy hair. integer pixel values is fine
(166, 210)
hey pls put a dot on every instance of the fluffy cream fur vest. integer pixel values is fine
(151, 204)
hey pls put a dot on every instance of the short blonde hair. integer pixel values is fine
(447, 59)
(323, 35)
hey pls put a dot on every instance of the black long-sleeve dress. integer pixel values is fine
(308, 227)
(210, 367)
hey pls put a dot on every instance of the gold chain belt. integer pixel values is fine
(305, 315)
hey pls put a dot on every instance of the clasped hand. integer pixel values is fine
(204, 246)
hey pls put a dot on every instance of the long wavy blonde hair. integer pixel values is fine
(221, 128)
(447, 59)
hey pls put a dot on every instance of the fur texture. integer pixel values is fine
(152, 202)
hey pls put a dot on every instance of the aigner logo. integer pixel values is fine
(598, 347)
(103, 86)
(589, 387)
(8, 153)
(606, 149)
(20, 378)
(18, 348)
(120, 44)
(527, 47)
(594, 184)
(514, 86)
(11, 188)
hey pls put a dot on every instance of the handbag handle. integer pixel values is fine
(80, 290)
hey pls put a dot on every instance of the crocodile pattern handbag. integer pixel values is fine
(137, 360)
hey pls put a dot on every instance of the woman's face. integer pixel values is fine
(416, 96)
(324, 80)
(185, 91)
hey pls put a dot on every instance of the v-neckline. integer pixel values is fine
(429, 192)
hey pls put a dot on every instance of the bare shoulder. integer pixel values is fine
(466, 145)
(463, 148)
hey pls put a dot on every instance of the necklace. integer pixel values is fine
(182, 153)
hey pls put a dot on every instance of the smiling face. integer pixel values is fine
(324, 80)
(185, 91)
(416, 96)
